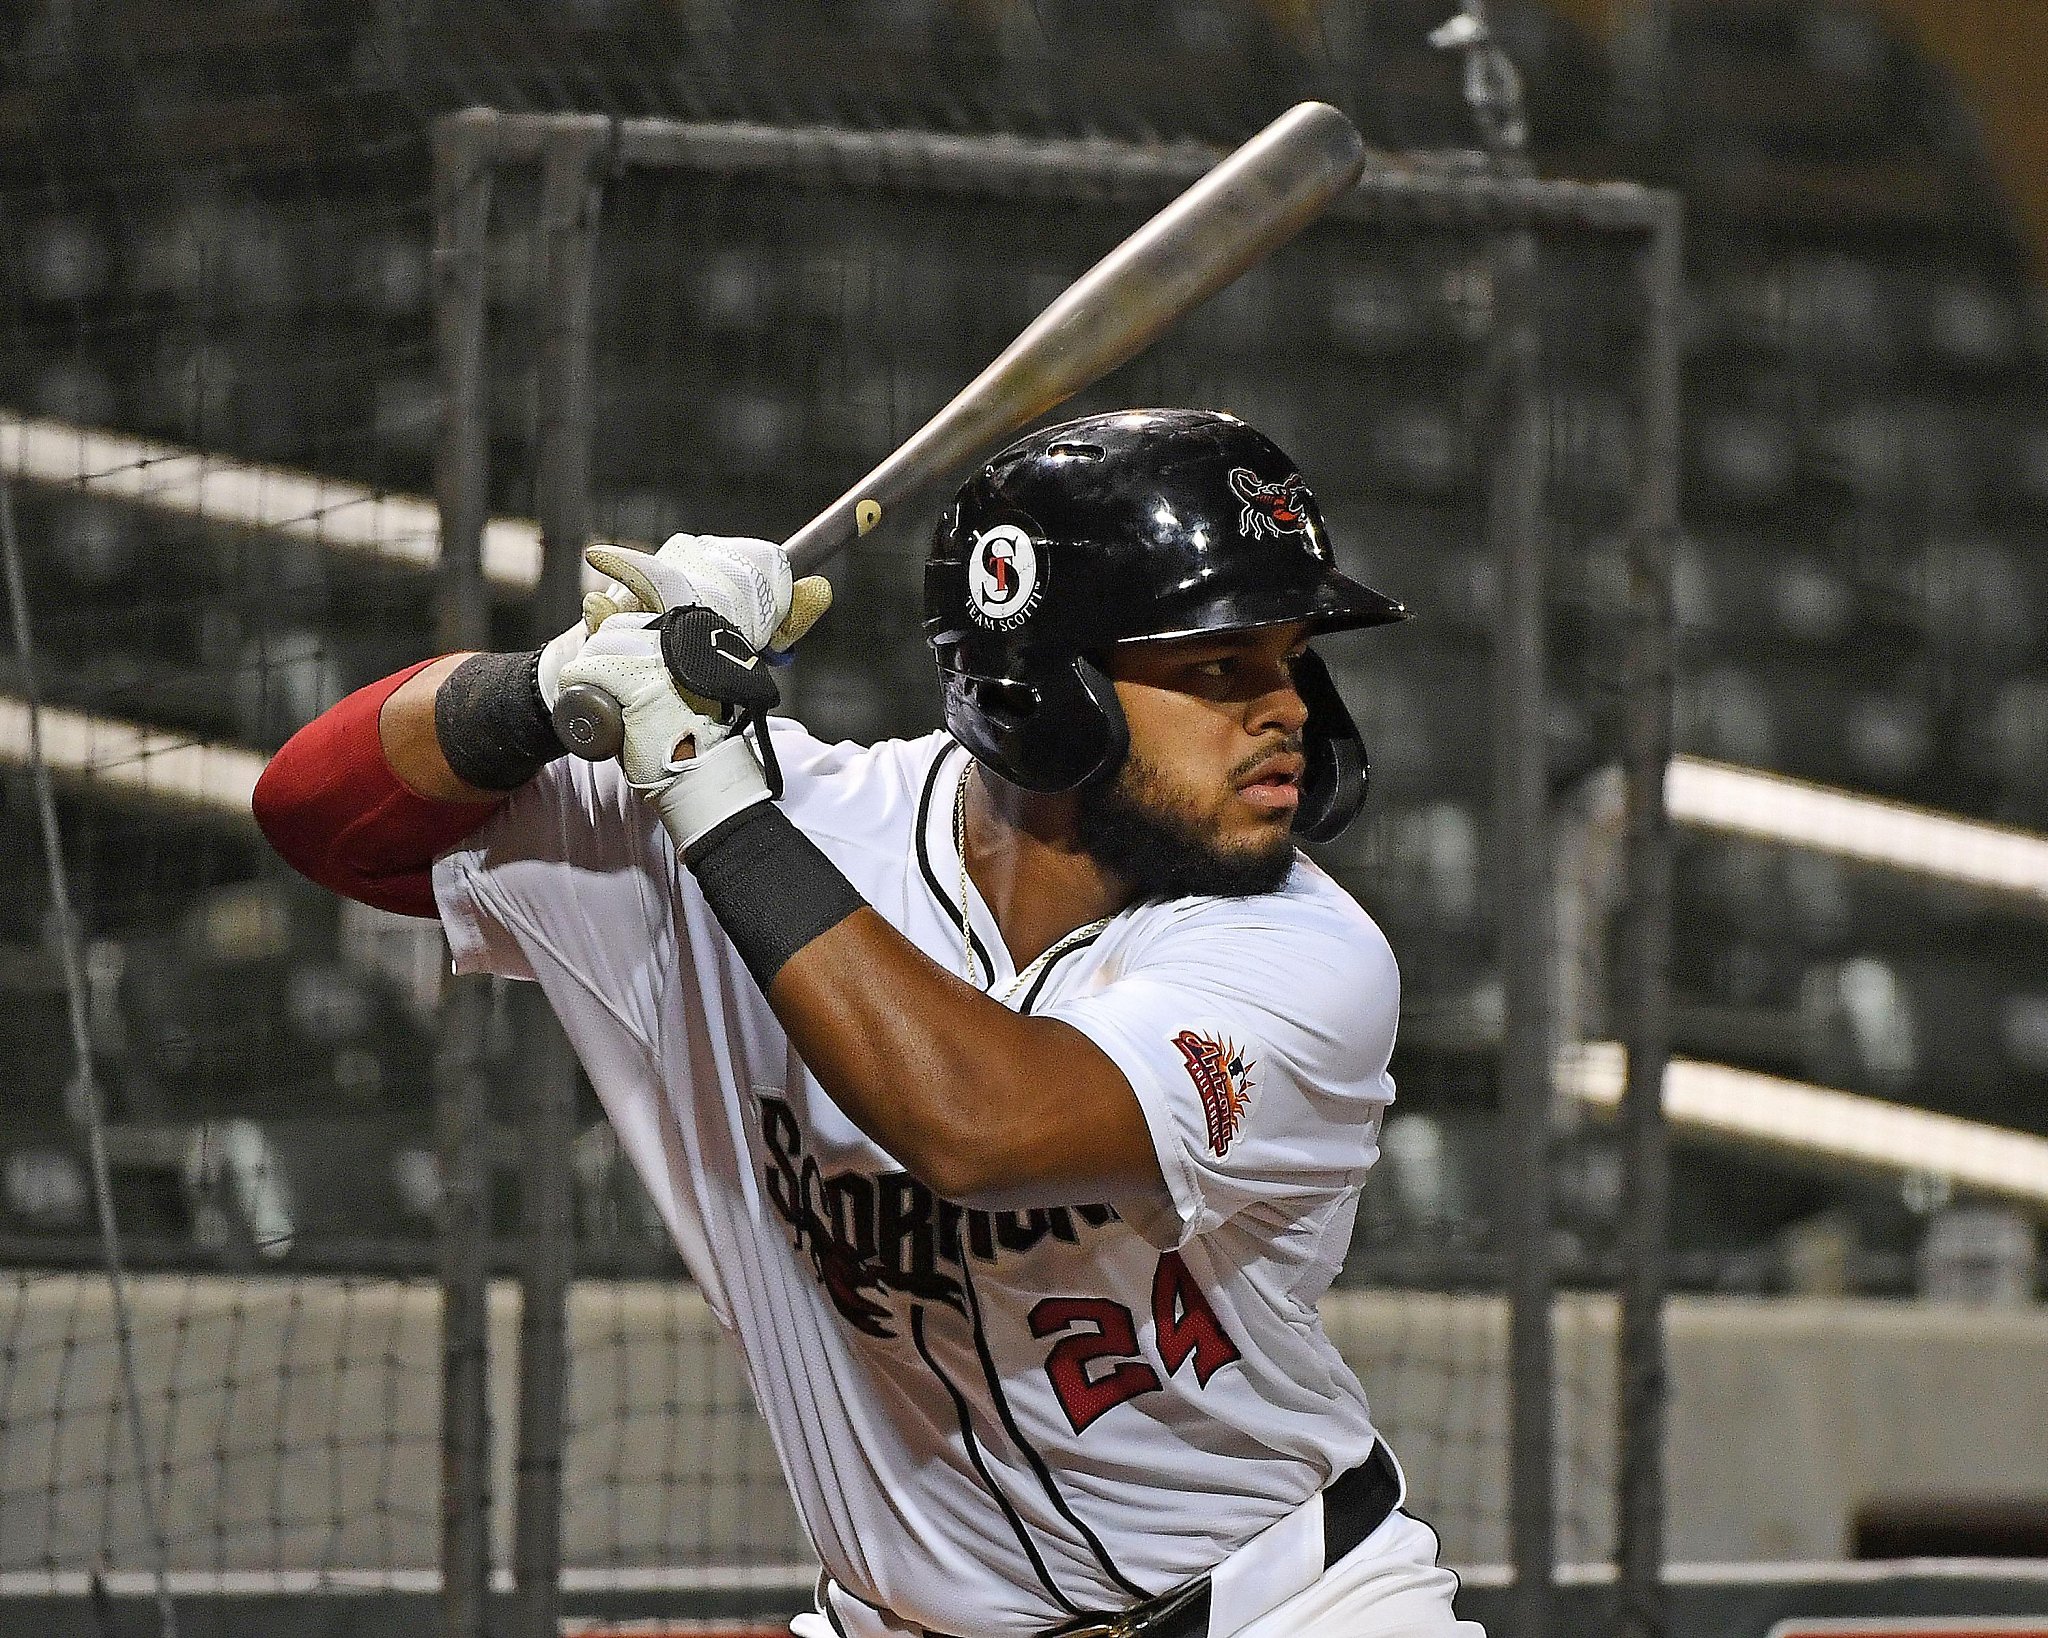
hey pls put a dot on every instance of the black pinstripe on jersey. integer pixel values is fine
(1038, 1463)
(963, 1411)
(957, 912)
(991, 1376)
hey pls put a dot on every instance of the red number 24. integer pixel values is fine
(1098, 1329)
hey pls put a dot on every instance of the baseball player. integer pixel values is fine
(1008, 1090)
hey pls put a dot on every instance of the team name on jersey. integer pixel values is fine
(873, 1236)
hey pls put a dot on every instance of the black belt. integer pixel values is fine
(1354, 1505)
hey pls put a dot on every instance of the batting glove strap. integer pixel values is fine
(770, 887)
(711, 663)
(492, 721)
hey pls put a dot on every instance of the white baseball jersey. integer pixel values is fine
(990, 1418)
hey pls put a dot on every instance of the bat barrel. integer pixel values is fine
(1236, 215)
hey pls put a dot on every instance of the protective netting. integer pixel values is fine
(293, 1423)
(217, 351)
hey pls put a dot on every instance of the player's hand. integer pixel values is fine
(615, 597)
(745, 582)
(559, 651)
(690, 569)
(663, 729)
(683, 750)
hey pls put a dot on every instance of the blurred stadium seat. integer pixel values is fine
(1408, 94)
(1808, 118)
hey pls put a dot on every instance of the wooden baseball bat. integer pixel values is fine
(1233, 217)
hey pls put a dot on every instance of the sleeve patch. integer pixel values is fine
(1223, 1076)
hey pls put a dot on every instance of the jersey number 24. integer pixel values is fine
(1098, 1329)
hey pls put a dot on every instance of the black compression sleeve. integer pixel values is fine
(491, 722)
(770, 887)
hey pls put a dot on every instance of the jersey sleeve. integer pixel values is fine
(1255, 1034)
(573, 879)
(568, 875)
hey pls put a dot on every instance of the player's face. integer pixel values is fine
(1205, 801)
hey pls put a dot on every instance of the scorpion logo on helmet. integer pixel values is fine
(1274, 509)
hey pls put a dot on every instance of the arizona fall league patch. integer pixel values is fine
(1223, 1077)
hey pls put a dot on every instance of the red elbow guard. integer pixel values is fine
(332, 807)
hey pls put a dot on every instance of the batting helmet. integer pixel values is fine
(1139, 524)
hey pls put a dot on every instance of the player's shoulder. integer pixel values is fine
(858, 792)
(1306, 931)
(1303, 970)
(571, 796)
(1310, 901)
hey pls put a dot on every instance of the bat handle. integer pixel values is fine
(589, 722)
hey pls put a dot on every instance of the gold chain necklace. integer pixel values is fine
(1080, 935)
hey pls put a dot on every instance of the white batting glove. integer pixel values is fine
(556, 654)
(598, 607)
(727, 573)
(695, 769)
(744, 581)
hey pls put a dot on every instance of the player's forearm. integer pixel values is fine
(469, 728)
(412, 743)
(973, 1099)
(365, 797)
(970, 1097)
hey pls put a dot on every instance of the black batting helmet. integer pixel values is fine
(1142, 523)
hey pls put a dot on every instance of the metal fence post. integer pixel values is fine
(1521, 820)
(572, 158)
(462, 205)
(1645, 947)
(1515, 472)
(463, 158)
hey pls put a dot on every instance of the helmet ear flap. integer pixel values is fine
(1052, 734)
(1110, 731)
(1334, 784)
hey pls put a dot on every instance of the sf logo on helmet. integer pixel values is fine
(1274, 509)
(1002, 578)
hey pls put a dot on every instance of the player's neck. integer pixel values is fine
(1024, 854)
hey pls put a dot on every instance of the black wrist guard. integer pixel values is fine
(769, 886)
(491, 723)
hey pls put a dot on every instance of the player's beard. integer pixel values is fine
(1133, 828)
